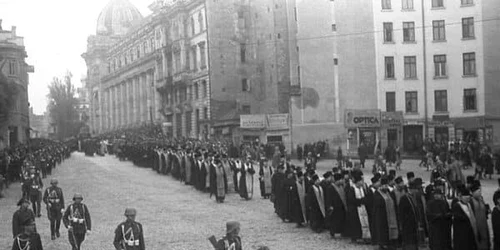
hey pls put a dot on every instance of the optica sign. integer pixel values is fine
(362, 118)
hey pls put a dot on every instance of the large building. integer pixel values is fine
(39, 125)
(193, 65)
(15, 126)
(437, 62)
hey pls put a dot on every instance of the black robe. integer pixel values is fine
(336, 217)
(277, 192)
(409, 219)
(288, 191)
(353, 228)
(203, 177)
(380, 224)
(314, 214)
(495, 224)
(297, 213)
(463, 233)
(439, 218)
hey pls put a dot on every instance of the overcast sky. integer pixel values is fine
(55, 35)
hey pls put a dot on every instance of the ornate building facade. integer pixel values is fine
(192, 65)
(15, 128)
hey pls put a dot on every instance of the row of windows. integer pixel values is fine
(200, 24)
(438, 30)
(440, 67)
(409, 5)
(13, 67)
(132, 55)
(440, 101)
(188, 93)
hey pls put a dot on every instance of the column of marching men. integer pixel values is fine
(390, 213)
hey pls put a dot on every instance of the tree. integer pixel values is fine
(8, 94)
(61, 106)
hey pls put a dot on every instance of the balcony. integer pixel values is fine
(182, 78)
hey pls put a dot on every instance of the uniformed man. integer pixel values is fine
(54, 199)
(129, 234)
(22, 217)
(35, 187)
(77, 220)
(29, 239)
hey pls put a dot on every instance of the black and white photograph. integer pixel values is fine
(250, 124)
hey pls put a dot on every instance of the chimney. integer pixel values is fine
(13, 32)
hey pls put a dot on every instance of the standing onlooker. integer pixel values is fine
(299, 152)
(495, 220)
(340, 157)
(362, 154)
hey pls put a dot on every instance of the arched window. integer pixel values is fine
(200, 21)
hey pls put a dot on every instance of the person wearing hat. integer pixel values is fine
(278, 196)
(54, 200)
(246, 179)
(410, 176)
(439, 216)
(465, 235)
(299, 212)
(28, 239)
(315, 201)
(289, 192)
(412, 217)
(310, 161)
(399, 189)
(232, 239)
(495, 219)
(385, 221)
(35, 187)
(327, 180)
(189, 165)
(336, 205)
(357, 222)
(455, 176)
(481, 211)
(218, 180)
(129, 234)
(22, 217)
(77, 220)
(265, 173)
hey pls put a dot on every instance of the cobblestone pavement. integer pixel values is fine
(174, 216)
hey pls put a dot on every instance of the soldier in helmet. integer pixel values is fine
(35, 187)
(22, 217)
(77, 220)
(54, 199)
(129, 234)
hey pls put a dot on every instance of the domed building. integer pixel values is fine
(117, 18)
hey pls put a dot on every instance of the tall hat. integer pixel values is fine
(337, 177)
(496, 196)
(470, 179)
(327, 174)
(476, 185)
(315, 177)
(357, 178)
(384, 180)
(374, 179)
(416, 184)
(299, 174)
(392, 172)
(398, 180)
(462, 190)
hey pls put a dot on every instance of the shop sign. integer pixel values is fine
(277, 121)
(392, 119)
(252, 121)
(362, 118)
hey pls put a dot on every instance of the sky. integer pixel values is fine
(55, 36)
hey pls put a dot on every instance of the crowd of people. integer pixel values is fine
(392, 212)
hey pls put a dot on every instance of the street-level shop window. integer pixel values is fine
(470, 100)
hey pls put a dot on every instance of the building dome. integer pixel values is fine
(117, 18)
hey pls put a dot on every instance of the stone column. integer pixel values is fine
(125, 102)
(142, 83)
(117, 108)
(122, 105)
(104, 113)
(183, 124)
(149, 96)
(136, 100)
(174, 123)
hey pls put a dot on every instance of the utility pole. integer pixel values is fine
(426, 111)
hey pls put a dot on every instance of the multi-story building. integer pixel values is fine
(39, 124)
(333, 64)
(437, 62)
(14, 127)
(192, 65)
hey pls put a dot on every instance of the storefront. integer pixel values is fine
(267, 129)
(363, 128)
(413, 136)
(392, 129)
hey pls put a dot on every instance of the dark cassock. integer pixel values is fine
(237, 166)
(357, 223)
(265, 173)
(165, 166)
(495, 220)
(182, 161)
(440, 218)
(218, 180)
(288, 193)
(370, 191)
(410, 217)
(464, 222)
(204, 176)
(481, 211)
(299, 200)
(196, 179)
(336, 205)
(176, 166)
(188, 162)
(246, 180)
(168, 169)
(385, 228)
(278, 198)
(315, 201)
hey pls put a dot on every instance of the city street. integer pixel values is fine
(174, 216)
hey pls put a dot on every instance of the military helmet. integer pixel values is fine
(130, 212)
(78, 196)
(54, 181)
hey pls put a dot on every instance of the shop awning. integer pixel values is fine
(469, 123)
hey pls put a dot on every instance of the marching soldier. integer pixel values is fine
(54, 199)
(77, 220)
(35, 187)
(22, 217)
(129, 234)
